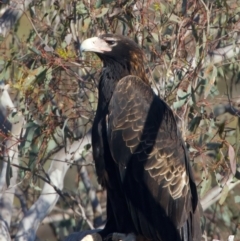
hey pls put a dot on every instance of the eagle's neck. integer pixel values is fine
(112, 72)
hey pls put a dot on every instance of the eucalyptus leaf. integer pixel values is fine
(35, 187)
(30, 125)
(226, 216)
(34, 50)
(98, 3)
(85, 24)
(174, 18)
(232, 159)
(102, 13)
(81, 8)
(155, 37)
(204, 40)
(220, 71)
(178, 104)
(224, 194)
(214, 145)
(219, 178)
(8, 172)
(29, 138)
(237, 199)
(194, 123)
(30, 79)
(211, 77)
(51, 145)
(205, 184)
(182, 94)
(68, 38)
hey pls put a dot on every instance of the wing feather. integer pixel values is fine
(143, 137)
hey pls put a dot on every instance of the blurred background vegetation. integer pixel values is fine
(54, 89)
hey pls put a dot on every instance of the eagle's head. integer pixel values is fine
(117, 50)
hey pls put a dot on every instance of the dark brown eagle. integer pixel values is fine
(139, 153)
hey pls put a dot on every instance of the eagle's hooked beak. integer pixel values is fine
(95, 44)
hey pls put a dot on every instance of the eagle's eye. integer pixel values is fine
(110, 42)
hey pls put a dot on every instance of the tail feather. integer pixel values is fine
(193, 229)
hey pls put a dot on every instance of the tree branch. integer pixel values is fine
(10, 156)
(48, 198)
(214, 194)
(221, 54)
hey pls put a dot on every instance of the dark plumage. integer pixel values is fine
(139, 153)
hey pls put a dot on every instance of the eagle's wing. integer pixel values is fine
(146, 145)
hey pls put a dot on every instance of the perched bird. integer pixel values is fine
(139, 154)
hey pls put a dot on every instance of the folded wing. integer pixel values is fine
(145, 143)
